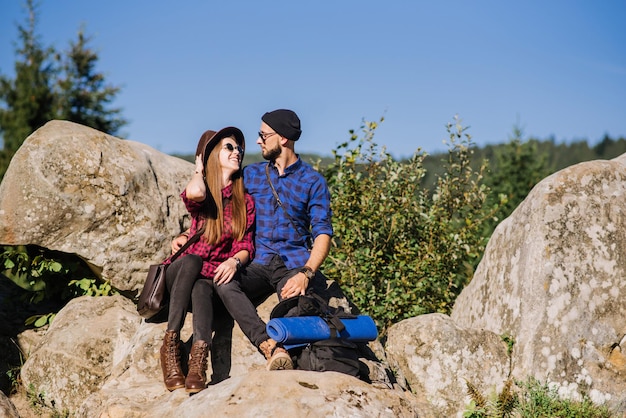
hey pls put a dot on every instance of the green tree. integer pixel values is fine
(50, 86)
(28, 100)
(83, 92)
(516, 168)
(609, 148)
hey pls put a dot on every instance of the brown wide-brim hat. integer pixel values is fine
(209, 139)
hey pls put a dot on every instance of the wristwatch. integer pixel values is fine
(308, 272)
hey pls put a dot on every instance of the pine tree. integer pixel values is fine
(83, 93)
(50, 86)
(28, 99)
(516, 168)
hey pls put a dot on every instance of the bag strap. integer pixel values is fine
(336, 326)
(186, 245)
(307, 241)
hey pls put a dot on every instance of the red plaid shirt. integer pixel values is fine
(214, 254)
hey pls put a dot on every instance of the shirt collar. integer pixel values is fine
(292, 168)
(227, 192)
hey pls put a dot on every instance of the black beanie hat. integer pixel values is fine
(285, 122)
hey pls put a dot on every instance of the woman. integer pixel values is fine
(218, 205)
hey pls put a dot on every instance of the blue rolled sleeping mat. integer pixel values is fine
(308, 329)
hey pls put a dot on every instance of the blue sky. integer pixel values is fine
(555, 68)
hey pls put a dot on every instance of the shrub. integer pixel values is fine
(402, 250)
(48, 275)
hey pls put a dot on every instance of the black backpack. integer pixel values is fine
(334, 354)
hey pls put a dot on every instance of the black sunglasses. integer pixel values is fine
(264, 135)
(230, 147)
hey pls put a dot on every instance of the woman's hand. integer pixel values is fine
(196, 188)
(178, 242)
(199, 165)
(225, 272)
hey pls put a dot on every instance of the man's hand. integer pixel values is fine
(295, 286)
(178, 242)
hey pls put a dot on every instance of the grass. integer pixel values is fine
(532, 399)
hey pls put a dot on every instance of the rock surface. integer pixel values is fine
(114, 203)
(553, 278)
(7, 409)
(437, 358)
(99, 358)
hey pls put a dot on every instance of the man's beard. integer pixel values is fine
(270, 154)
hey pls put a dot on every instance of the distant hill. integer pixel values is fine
(556, 156)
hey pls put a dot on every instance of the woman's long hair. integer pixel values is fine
(215, 216)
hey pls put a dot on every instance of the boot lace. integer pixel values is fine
(197, 363)
(172, 356)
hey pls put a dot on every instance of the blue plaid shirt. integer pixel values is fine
(304, 194)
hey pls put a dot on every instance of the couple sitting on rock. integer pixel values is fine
(291, 203)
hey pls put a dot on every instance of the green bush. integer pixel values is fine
(400, 249)
(49, 275)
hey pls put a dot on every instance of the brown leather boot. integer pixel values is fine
(277, 357)
(173, 376)
(196, 376)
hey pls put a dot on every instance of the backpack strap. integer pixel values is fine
(330, 316)
(307, 241)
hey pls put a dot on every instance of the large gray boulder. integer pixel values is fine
(114, 203)
(553, 277)
(438, 358)
(99, 358)
(77, 353)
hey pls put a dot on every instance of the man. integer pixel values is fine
(284, 262)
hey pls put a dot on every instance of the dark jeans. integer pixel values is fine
(187, 289)
(253, 286)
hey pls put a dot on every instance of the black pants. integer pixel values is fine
(187, 289)
(253, 286)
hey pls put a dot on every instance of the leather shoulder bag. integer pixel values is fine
(153, 297)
